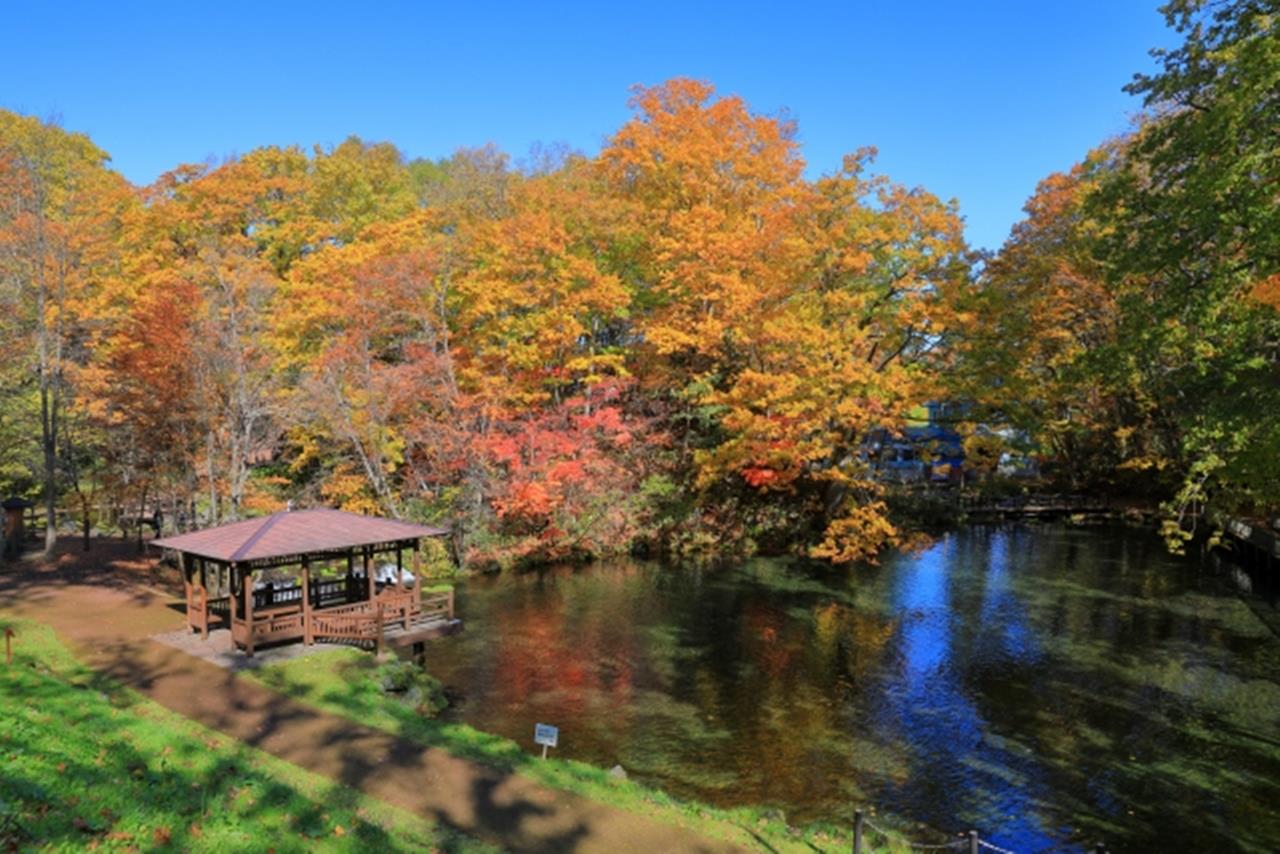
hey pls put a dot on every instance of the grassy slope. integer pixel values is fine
(339, 681)
(85, 764)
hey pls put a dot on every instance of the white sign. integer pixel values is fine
(546, 735)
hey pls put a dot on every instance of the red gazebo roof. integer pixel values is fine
(293, 534)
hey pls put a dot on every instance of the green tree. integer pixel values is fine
(1193, 237)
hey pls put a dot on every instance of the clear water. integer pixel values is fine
(1050, 686)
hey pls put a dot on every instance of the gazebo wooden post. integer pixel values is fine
(306, 601)
(235, 603)
(185, 566)
(204, 600)
(408, 611)
(368, 573)
(246, 578)
(417, 569)
(347, 594)
(417, 566)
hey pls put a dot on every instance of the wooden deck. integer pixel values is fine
(420, 631)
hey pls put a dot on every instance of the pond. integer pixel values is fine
(1049, 685)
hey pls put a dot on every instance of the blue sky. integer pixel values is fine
(975, 101)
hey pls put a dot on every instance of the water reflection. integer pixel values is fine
(1049, 685)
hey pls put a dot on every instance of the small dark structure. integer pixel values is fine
(292, 576)
(15, 532)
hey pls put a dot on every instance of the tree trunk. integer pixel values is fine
(86, 524)
(213, 483)
(142, 513)
(49, 445)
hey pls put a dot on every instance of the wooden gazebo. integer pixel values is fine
(293, 576)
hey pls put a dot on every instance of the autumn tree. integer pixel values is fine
(362, 327)
(59, 207)
(714, 190)
(567, 479)
(537, 307)
(471, 185)
(1030, 335)
(206, 235)
(842, 355)
(790, 319)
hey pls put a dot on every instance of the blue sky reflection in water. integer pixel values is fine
(929, 704)
(1051, 686)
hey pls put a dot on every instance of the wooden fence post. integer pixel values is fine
(857, 832)
(973, 842)
(8, 646)
(378, 623)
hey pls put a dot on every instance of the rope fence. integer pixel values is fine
(969, 843)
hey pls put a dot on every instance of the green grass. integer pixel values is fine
(88, 765)
(343, 682)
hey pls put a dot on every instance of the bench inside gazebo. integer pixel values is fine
(311, 576)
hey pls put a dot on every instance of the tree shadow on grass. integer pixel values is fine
(86, 763)
(416, 777)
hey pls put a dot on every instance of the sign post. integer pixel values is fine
(546, 735)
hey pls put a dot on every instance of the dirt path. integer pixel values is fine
(107, 621)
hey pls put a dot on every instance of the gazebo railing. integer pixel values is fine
(203, 608)
(361, 622)
(345, 624)
(276, 624)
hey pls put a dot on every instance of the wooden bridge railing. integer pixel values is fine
(1034, 503)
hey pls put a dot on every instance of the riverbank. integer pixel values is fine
(345, 682)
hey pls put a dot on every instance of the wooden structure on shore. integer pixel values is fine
(293, 576)
(15, 529)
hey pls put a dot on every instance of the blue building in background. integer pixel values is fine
(931, 450)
